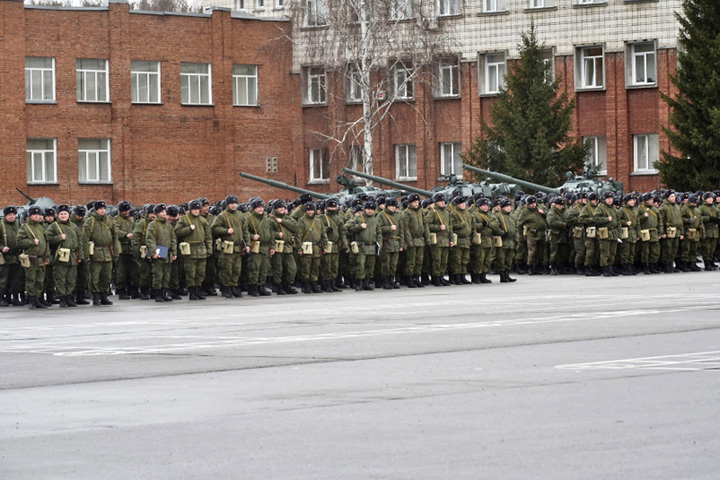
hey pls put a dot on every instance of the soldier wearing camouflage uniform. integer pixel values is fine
(32, 241)
(101, 230)
(229, 226)
(711, 222)
(194, 230)
(12, 277)
(415, 234)
(67, 240)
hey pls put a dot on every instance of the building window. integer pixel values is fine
(315, 13)
(405, 162)
(646, 150)
(590, 2)
(402, 81)
(245, 85)
(450, 159)
(41, 160)
(357, 162)
(548, 59)
(541, 3)
(492, 73)
(92, 80)
(39, 79)
(94, 160)
(239, 4)
(643, 68)
(145, 81)
(319, 165)
(448, 7)
(195, 83)
(401, 9)
(591, 67)
(353, 85)
(596, 154)
(448, 84)
(279, 3)
(490, 6)
(315, 91)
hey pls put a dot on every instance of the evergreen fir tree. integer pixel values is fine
(695, 110)
(531, 120)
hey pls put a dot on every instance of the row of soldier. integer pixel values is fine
(163, 252)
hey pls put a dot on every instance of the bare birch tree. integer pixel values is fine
(378, 48)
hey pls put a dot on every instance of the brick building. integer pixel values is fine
(116, 104)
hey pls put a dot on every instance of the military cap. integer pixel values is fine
(100, 204)
(148, 208)
(707, 195)
(9, 209)
(357, 208)
(582, 195)
(370, 205)
(608, 195)
(362, 196)
(592, 196)
(195, 205)
(203, 201)
(173, 210)
(413, 197)
(232, 199)
(559, 201)
(478, 195)
(426, 203)
(692, 199)
(309, 206)
(35, 211)
(279, 204)
(305, 198)
(256, 202)
(439, 197)
(124, 206)
(482, 201)
(505, 203)
(456, 192)
(669, 193)
(628, 197)
(159, 208)
(405, 204)
(89, 205)
(79, 210)
(243, 207)
(391, 202)
(215, 210)
(49, 212)
(530, 200)
(381, 199)
(459, 199)
(63, 208)
(184, 207)
(331, 203)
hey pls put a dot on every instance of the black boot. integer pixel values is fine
(580, 269)
(484, 279)
(63, 303)
(175, 294)
(193, 294)
(436, 281)
(425, 279)
(45, 302)
(35, 303)
(263, 291)
(334, 285)
(306, 286)
(209, 291)
(166, 295)
(157, 295)
(554, 270)
(253, 291)
(227, 292)
(289, 289)
(4, 299)
(279, 288)
(357, 284)
(123, 293)
(368, 284)
(386, 285)
(418, 282)
(96, 299)
(693, 267)
(70, 301)
(463, 279)
(444, 282)
(339, 284)
(315, 288)
(591, 272)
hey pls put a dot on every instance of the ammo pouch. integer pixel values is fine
(184, 248)
(624, 233)
(671, 232)
(63, 255)
(279, 246)
(330, 248)
(143, 251)
(2, 259)
(692, 234)
(307, 248)
(477, 238)
(227, 247)
(497, 241)
(354, 247)
(255, 246)
(603, 233)
(24, 260)
(433, 239)
(454, 238)
(645, 235)
(591, 232)
(91, 248)
(577, 232)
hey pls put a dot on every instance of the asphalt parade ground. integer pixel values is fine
(547, 378)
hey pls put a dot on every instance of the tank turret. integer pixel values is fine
(389, 183)
(507, 178)
(284, 186)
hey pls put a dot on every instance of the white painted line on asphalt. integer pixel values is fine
(686, 362)
(111, 345)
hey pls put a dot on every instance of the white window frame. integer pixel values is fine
(353, 85)
(316, 12)
(41, 162)
(590, 2)
(239, 4)
(490, 6)
(597, 153)
(402, 81)
(315, 91)
(646, 151)
(46, 84)
(195, 87)
(92, 158)
(648, 61)
(318, 157)
(452, 166)
(401, 9)
(93, 84)
(448, 76)
(247, 84)
(449, 8)
(141, 82)
(406, 162)
(591, 67)
(492, 69)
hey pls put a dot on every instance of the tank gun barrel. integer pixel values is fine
(508, 179)
(284, 186)
(30, 199)
(389, 183)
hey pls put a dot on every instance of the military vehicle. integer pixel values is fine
(468, 189)
(351, 189)
(574, 183)
(42, 202)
